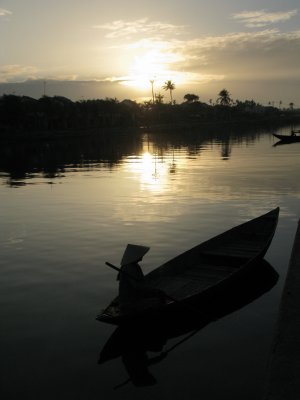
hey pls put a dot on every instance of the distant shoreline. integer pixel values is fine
(7, 133)
(53, 117)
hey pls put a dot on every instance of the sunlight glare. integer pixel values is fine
(146, 68)
(153, 65)
(152, 173)
(150, 170)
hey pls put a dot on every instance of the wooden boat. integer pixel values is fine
(288, 138)
(203, 270)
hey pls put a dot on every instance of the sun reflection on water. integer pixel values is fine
(150, 169)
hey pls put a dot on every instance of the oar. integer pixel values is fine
(187, 306)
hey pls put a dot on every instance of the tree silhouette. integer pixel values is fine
(190, 98)
(224, 98)
(59, 113)
(169, 85)
(159, 98)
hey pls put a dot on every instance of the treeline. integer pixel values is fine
(22, 113)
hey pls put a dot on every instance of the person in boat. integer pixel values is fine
(132, 287)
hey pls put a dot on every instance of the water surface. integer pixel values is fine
(67, 206)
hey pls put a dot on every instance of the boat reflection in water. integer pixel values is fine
(133, 341)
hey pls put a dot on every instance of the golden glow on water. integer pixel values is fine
(150, 170)
(207, 173)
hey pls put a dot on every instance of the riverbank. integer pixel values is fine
(271, 124)
(283, 380)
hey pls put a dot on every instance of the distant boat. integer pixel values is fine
(203, 270)
(288, 138)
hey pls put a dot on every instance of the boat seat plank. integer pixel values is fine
(200, 269)
(206, 275)
(241, 244)
(191, 288)
(197, 273)
(187, 284)
(231, 252)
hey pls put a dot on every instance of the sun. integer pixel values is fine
(145, 68)
(155, 64)
(150, 64)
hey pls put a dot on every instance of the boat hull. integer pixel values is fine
(203, 271)
(287, 138)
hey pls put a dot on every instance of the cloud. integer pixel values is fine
(15, 72)
(4, 12)
(261, 18)
(128, 29)
(242, 56)
(257, 55)
(238, 58)
(20, 73)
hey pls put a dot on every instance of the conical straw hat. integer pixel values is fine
(133, 253)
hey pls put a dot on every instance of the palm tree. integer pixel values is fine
(169, 85)
(152, 83)
(224, 98)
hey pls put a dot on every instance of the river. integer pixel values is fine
(67, 206)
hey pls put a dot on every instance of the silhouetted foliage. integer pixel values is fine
(169, 85)
(224, 98)
(58, 113)
(190, 98)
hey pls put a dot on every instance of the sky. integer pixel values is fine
(97, 49)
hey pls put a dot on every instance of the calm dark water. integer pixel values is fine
(69, 206)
